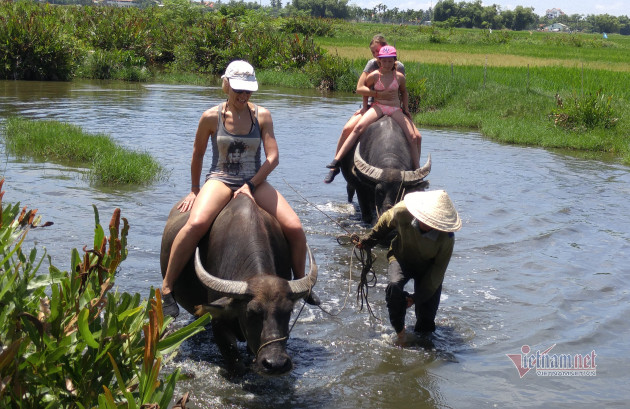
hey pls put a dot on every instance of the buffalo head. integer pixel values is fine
(389, 183)
(262, 306)
(379, 170)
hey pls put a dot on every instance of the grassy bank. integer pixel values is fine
(58, 142)
(547, 89)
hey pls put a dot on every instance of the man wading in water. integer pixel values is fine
(421, 250)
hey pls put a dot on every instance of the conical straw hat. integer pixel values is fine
(435, 209)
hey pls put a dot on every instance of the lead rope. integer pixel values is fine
(362, 291)
(366, 259)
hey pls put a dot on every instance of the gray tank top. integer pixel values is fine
(235, 158)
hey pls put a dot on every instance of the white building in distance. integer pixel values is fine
(554, 13)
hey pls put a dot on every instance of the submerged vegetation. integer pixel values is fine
(108, 163)
(67, 340)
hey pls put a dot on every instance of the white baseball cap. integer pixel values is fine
(241, 76)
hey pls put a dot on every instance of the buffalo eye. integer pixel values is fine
(254, 308)
(378, 190)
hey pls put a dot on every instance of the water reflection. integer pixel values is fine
(540, 260)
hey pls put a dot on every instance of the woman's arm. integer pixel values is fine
(361, 83)
(207, 126)
(365, 87)
(272, 157)
(404, 95)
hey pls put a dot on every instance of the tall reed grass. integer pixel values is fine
(68, 144)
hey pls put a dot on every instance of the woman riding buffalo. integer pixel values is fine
(391, 99)
(236, 128)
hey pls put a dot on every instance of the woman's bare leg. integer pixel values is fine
(276, 205)
(347, 129)
(212, 198)
(372, 115)
(412, 134)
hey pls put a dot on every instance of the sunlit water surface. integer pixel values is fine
(541, 260)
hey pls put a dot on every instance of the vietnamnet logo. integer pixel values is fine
(546, 364)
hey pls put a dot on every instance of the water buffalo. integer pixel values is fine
(241, 274)
(379, 169)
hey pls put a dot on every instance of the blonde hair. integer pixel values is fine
(225, 85)
(378, 39)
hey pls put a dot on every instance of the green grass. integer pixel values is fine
(557, 47)
(504, 84)
(290, 79)
(507, 111)
(65, 143)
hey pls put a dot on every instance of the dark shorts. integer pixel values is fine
(234, 186)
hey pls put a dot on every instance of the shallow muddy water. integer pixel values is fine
(541, 260)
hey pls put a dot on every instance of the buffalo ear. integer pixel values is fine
(217, 308)
(296, 297)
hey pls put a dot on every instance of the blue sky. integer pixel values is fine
(585, 7)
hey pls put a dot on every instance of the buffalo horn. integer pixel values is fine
(373, 173)
(411, 177)
(236, 289)
(303, 286)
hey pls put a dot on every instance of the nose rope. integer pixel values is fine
(270, 342)
(285, 337)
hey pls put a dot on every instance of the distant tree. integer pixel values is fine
(507, 16)
(445, 9)
(356, 13)
(524, 18)
(573, 21)
(604, 23)
(491, 17)
(428, 15)
(470, 14)
(324, 8)
(72, 2)
(467, 14)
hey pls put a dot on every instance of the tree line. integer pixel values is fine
(445, 13)
(474, 15)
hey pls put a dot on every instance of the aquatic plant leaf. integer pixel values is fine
(42, 280)
(123, 315)
(174, 340)
(84, 329)
(106, 400)
(169, 389)
(8, 354)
